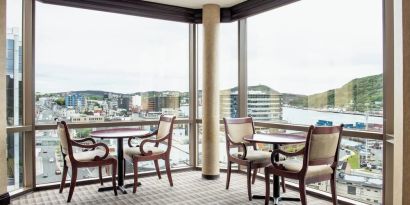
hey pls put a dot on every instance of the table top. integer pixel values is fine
(118, 133)
(276, 138)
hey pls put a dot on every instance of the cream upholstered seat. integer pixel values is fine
(134, 151)
(86, 156)
(255, 155)
(312, 171)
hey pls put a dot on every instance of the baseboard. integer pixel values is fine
(5, 199)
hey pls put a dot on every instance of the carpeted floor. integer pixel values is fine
(189, 188)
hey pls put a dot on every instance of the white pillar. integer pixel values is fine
(210, 96)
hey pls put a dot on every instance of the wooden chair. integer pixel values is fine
(235, 131)
(320, 158)
(147, 153)
(90, 157)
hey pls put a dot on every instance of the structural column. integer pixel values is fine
(210, 95)
(401, 190)
(3, 120)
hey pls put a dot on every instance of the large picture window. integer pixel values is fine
(94, 67)
(323, 67)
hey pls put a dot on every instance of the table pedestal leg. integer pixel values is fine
(276, 187)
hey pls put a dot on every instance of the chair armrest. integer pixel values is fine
(288, 154)
(141, 137)
(84, 140)
(156, 141)
(239, 144)
(93, 146)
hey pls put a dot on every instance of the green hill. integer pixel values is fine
(356, 95)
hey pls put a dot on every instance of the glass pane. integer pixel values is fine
(15, 168)
(96, 66)
(306, 69)
(228, 69)
(14, 76)
(315, 70)
(49, 161)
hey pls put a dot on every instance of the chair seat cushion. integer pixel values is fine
(312, 171)
(135, 151)
(254, 155)
(87, 156)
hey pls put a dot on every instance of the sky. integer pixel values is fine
(307, 47)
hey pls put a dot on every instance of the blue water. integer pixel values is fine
(310, 117)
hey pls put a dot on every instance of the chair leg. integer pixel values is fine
(168, 168)
(333, 188)
(255, 171)
(135, 162)
(248, 173)
(283, 184)
(267, 187)
(228, 174)
(65, 170)
(100, 175)
(73, 182)
(302, 189)
(114, 180)
(157, 168)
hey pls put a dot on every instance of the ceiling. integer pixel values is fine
(197, 4)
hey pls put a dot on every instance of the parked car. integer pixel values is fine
(51, 160)
(58, 172)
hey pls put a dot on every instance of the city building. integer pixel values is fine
(124, 103)
(75, 101)
(155, 101)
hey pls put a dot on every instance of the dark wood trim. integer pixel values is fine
(210, 177)
(172, 13)
(136, 8)
(5, 199)
(254, 7)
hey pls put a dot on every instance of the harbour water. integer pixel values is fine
(310, 117)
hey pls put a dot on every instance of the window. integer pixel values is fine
(94, 67)
(307, 69)
(351, 190)
(327, 69)
(14, 93)
(115, 67)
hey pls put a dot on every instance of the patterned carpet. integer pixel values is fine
(189, 188)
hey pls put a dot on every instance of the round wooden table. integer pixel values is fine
(276, 140)
(119, 134)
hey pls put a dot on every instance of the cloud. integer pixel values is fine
(306, 47)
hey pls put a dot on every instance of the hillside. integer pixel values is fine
(355, 95)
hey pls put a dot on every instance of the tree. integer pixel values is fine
(60, 101)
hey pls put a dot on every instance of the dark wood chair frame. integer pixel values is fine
(279, 170)
(251, 165)
(96, 162)
(148, 156)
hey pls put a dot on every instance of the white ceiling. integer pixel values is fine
(197, 4)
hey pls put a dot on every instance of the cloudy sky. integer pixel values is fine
(307, 47)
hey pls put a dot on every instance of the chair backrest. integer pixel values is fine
(323, 144)
(65, 140)
(238, 128)
(165, 126)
